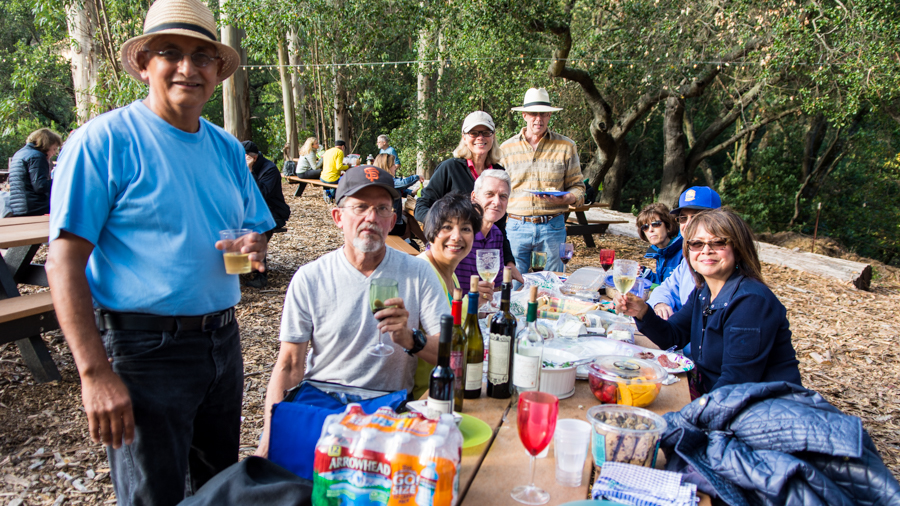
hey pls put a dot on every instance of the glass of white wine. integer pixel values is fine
(235, 261)
(624, 274)
(487, 261)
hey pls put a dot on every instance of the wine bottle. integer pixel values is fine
(500, 356)
(458, 352)
(474, 346)
(440, 386)
(529, 351)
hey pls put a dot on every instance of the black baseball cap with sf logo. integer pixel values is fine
(364, 176)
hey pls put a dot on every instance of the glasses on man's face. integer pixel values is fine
(716, 245)
(684, 219)
(200, 60)
(655, 224)
(480, 133)
(363, 210)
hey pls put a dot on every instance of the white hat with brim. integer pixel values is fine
(537, 100)
(179, 17)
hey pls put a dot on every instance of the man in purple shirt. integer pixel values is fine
(491, 192)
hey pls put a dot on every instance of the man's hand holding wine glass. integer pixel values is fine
(394, 319)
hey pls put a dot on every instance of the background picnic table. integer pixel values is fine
(43, 431)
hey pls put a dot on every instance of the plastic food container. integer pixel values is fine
(584, 280)
(620, 332)
(625, 434)
(624, 380)
(611, 291)
(559, 381)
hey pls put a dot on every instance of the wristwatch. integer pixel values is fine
(418, 342)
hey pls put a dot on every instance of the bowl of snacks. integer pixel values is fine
(624, 380)
(625, 434)
(558, 373)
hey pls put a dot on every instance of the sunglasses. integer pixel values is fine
(480, 133)
(717, 245)
(200, 60)
(655, 224)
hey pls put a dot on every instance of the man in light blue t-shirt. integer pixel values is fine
(384, 146)
(139, 197)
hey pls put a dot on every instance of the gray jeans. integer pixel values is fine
(186, 390)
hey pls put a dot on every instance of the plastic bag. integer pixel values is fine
(386, 459)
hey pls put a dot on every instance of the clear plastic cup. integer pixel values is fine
(235, 261)
(570, 447)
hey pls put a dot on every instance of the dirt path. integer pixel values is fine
(47, 458)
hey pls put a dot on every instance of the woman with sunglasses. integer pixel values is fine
(477, 151)
(659, 228)
(737, 328)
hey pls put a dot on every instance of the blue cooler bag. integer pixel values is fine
(297, 420)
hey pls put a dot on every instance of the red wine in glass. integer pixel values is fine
(607, 257)
(536, 421)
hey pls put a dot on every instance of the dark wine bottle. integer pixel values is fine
(440, 386)
(458, 352)
(475, 346)
(500, 353)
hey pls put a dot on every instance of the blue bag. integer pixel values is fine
(297, 421)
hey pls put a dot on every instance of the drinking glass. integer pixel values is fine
(538, 261)
(607, 257)
(624, 274)
(487, 261)
(537, 413)
(380, 290)
(566, 252)
(235, 261)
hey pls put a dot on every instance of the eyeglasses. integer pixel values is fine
(480, 133)
(363, 210)
(717, 245)
(684, 219)
(655, 224)
(200, 60)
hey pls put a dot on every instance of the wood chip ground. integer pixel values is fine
(846, 341)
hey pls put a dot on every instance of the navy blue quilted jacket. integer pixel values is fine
(776, 444)
(29, 182)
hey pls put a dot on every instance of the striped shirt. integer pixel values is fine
(469, 266)
(553, 166)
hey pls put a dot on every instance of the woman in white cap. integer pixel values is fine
(476, 153)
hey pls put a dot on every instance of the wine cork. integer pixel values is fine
(457, 294)
(473, 283)
(532, 295)
(507, 275)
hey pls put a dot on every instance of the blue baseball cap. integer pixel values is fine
(698, 197)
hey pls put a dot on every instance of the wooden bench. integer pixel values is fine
(23, 319)
(301, 184)
(399, 244)
(587, 228)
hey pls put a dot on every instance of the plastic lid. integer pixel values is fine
(627, 369)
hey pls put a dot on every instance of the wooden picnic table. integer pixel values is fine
(585, 227)
(301, 184)
(489, 475)
(24, 317)
(398, 243)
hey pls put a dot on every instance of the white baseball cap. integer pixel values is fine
(477, 118)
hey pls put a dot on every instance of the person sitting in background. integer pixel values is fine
(385, 161)
(450, 228)
(268, 180)
(656, 226)
(475, 153)
(29, 174)
(491, 193)
(738, 329)
(332, 167)
(384, 147)
(674, 291)
(309, 167)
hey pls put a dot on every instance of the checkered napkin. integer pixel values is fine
(642, 486)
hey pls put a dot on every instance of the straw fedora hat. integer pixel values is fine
(179, 17)
(537, 100)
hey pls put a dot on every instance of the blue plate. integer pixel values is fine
(553, 194)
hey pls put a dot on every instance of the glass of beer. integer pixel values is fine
(235, 261)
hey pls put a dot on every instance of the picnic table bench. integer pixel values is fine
(582, 226)
(23, 318)
(301, 184)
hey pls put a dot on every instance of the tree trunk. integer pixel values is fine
(340, 109)
(235, 89)
(705, 169)
(614, 179)
(81, 26)
(298, 88)
(423, 86)
(287, 100)
(674, 178)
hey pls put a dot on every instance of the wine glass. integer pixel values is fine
(537, 413)
(566, 252)
(624, 274)
(487, 261)
(538, 261)
(380, 290)
(607, 257)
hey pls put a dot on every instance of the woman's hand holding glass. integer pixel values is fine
(631, 305)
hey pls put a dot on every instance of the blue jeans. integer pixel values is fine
(329, 192)
(186, 390)
(526, 237)
(403, 183)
